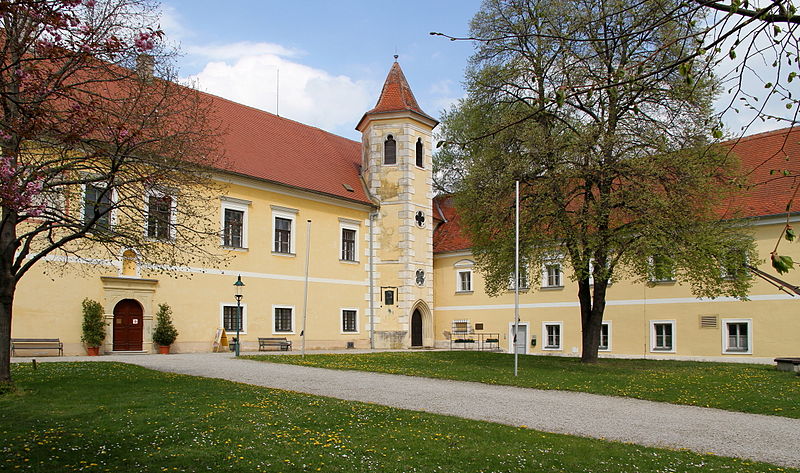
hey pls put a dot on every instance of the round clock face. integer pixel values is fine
(420, 218)
(420, 277)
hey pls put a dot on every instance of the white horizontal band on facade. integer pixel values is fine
(677, 300)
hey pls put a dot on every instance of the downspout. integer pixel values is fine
(372, 216)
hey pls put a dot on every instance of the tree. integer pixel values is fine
(618, 177)
(102, 151)
(753, 45)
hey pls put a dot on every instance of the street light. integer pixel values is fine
(238, 285)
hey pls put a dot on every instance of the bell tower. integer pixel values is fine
(396, 167)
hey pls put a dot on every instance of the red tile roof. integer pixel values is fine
(769, 194)
(396, 96)
(266, 146)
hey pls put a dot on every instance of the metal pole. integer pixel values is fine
(371, 282)
(305, 291)
(516, 283)
(238, 322)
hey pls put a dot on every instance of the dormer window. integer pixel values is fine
(419, 153)
(389, 150)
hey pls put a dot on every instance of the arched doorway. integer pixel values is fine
(416, 329)
(128, 326)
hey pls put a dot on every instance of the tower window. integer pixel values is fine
(419, 153)
(389, 151)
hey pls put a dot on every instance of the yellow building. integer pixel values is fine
(387, 264)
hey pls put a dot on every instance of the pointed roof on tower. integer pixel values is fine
(396, 96)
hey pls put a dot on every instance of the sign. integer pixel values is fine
(220, 342)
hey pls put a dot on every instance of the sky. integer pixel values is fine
(332, 57)
(323, 62)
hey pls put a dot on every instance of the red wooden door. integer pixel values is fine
(128, 326)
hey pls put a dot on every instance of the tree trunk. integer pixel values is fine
(592, 321)
(8, 284)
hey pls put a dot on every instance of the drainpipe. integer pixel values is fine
(372, 217)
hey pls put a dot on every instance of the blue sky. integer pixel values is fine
(332, 56)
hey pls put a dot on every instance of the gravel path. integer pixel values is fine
(765, 438)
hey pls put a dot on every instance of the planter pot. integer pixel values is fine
(93, 351)
(163, 349)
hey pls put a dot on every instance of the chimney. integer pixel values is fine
(145, 65)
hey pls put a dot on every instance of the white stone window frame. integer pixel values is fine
(464, 266)
(553, 261)
(272, 318)
(652, 270)
(230, 203)
(112, 214)
(725, 343)
(289, 214)
(653, 348)
(349, 224)
(607, 323)
(524, 271)
(222, 306)
(560, 346)
(341, 321)
(173, 211)
(460, 281)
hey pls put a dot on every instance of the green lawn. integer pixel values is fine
(758, 389)
(95, 417)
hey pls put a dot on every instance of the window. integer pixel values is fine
(160, 215)
(662, 335)
(464, 280)
(662, 269)
(230, 317)
(524, 280)
(605, 337)
(420, 161)
(283, 230)
(97, 204)
(461, 327)
(733, 264)
(348, 244)
(551, 275)
(389, 151)
(419, 217)
(283, 319)
(234, 222)
(551, 332)
(349, 321)
(736, 336)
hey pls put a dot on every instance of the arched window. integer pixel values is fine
(129, 263)
(389, 151)
(419, 153)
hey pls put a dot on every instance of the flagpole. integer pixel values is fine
(516, 282)
(305, 292)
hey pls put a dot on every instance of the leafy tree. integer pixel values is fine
(165, 332)
(617, 176)
(93, 330)
(101, 148)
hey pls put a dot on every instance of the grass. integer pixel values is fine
(759, 389)
(95, 417)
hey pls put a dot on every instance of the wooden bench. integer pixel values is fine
(277, 342)
(788, 364)
(36, 344)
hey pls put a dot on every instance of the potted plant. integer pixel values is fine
(165, 333)
(94, 326)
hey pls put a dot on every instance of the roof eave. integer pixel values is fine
(421, 117)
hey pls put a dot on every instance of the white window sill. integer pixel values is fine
(663, 282)
(283, 333)
(288, 255)
(234, 248)
(464, 292)
(737, 352)
(662, 350)
(233, 333)
(349, 261)
(552, 288)
(349, 333)
(552, 348)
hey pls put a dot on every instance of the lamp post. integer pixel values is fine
(238, 285)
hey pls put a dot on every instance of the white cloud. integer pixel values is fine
(308, 95)
(240, 50)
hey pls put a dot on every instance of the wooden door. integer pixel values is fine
(416, 329)
(128, 326)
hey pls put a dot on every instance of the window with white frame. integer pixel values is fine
(662, 335)
(524, 277)
(282, 319)
(283, 229)
(390, 150)
(97, 205)
(464, 280)
(737, 336)
(662, 269)
(551, 333)
(733, 264)
(230, 317)
(605, 337)
(234, 222)
(348, 240)
(160, 215)
(349, 320)
(551, 273)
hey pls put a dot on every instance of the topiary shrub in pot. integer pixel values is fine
(93, 330)
(165, 333)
